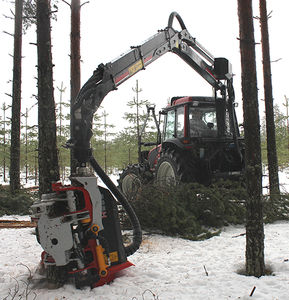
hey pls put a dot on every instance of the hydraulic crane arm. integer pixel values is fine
(108, 77)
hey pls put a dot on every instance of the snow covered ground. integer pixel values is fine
(165, 268)
(171, 268)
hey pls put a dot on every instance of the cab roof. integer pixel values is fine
(187, 99)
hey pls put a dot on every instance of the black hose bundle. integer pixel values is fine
(137, 233)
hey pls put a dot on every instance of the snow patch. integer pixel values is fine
(171, 268)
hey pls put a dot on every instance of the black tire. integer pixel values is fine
(132, 178)
(174, 166)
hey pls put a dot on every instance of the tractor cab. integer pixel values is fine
(200, 141)
(201, 138)
(188, 118)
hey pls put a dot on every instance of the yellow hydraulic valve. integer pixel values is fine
(99, 253)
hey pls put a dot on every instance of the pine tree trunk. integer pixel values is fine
(74, 66)
(16, 100)
(48, 159)
(255, 265)
(270, 124)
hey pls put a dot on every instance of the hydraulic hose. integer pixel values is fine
(137, 233)
(171, 19)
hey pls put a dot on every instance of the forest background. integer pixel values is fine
(114, 141)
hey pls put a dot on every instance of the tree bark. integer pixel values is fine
(269, 107)
(16, 100)
(48, 158)
(255, 265)
(74, 65)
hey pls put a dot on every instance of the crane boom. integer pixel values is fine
(106, 78)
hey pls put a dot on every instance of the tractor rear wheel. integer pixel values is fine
(174, 166)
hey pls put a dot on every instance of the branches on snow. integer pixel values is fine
(156, 297)
(21, 292)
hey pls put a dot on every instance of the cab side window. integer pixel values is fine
(170, 125)
(180, 121)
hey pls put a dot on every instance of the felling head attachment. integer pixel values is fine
(79, 231)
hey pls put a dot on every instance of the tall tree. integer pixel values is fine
(26, 140)
(255, 265)
(63, 131)
(137, 117)
(74, 64)
(286, 104)
(16, 100)
(269, 106)
(47, 158)
(106, 134)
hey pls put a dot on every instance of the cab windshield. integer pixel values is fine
(203, 122)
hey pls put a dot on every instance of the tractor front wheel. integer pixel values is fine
(174, 167)
(131, 179)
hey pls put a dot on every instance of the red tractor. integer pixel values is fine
(200, 141)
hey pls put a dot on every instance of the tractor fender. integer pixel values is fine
(173, 144)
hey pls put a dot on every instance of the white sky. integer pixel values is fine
(109, 28)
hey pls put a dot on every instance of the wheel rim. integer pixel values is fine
(130, 184)
(166, 174)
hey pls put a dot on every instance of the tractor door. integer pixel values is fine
(169, 125)
(174, 125)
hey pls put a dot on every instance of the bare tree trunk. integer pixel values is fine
(48, 159)
(75, 65)
(270, 124)
(255, 265)
(16, 100)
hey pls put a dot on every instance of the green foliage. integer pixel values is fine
(101, 141)
(188, 209)
(63, 130)
(14, 204)
(29, 13)
(124, 149)
(29, 146)
(282, 139)
(276, 208)
(132, 135)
